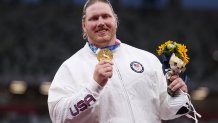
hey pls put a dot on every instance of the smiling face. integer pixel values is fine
(100, 24)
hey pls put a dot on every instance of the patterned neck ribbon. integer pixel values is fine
(110, 47)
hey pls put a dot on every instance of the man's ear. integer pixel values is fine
(116, 19)
(84, 29)
(83, 26)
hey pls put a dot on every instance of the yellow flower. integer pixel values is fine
(182, 52)
(168, 42)
(161, 49)
(163, 46)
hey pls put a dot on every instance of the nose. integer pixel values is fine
(100, 21)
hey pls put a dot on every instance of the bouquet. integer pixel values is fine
(174, 59)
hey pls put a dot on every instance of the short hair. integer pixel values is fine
(90, 2)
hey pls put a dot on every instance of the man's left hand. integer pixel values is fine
(177, 83)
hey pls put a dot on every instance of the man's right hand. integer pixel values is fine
(103, 71)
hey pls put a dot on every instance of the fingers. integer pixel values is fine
(177, 84)
(108, 74)
(173, 77)
(103, 71)
(105, 62)
(104, 68)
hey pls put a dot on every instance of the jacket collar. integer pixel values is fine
(95, 49)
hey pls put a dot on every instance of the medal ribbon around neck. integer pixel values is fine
(104, 53)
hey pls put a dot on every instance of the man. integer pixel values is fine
(128, 88)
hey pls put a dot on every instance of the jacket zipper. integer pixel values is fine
(126, 94)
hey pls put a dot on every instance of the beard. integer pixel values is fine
(102, 39)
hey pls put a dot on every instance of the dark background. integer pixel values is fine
(36, 36)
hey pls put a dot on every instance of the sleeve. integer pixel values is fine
(69, 101)
(170, 107)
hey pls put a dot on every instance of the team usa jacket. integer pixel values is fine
(136, 93)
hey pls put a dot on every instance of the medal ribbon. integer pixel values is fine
(110, 47)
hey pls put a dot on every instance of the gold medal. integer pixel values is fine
(104, 54)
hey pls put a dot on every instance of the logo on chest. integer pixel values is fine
(137, 67)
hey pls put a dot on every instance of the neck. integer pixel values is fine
(111, 47)
(103, 43)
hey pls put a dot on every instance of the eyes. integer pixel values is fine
(96, 17)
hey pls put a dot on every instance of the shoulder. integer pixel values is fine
(139, 52)
(76, 58)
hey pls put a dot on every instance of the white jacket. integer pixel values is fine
(134, 94)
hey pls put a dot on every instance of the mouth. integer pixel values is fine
(101, 31)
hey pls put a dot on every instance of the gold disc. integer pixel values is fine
(104, 54)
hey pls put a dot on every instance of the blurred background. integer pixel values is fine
(36, 36)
